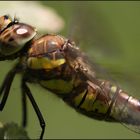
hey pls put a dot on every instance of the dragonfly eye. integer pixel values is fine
(14, 38)
(6, 17)
(4, 22)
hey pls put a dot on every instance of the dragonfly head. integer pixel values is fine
(13, 37)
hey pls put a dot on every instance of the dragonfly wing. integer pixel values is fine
(132, 122)
(126, 109)
(135, 128)
(80, 62)
(96, 32)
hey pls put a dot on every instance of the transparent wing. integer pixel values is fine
(93, 33)
(127, 111)
(80, 62)
(126, 108)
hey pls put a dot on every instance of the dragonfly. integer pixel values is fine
(59, 66)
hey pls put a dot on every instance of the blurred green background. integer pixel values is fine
(110, 35)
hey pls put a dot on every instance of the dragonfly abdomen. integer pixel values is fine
(91, 100)
(123, 107)
(126, 109)
(88, 99)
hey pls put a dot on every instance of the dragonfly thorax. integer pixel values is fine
(45, 53)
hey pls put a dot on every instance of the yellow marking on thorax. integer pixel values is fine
(44, 63)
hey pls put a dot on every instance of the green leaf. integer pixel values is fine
(12, 131)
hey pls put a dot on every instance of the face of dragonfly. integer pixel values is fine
(13, 36)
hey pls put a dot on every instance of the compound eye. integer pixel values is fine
(6, 17)
(4, 21)
(14, 38)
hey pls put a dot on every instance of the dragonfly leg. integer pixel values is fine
(24, 109)
(5, 88)
(27, 91)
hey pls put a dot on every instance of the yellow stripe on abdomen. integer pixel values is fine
(58, 85)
